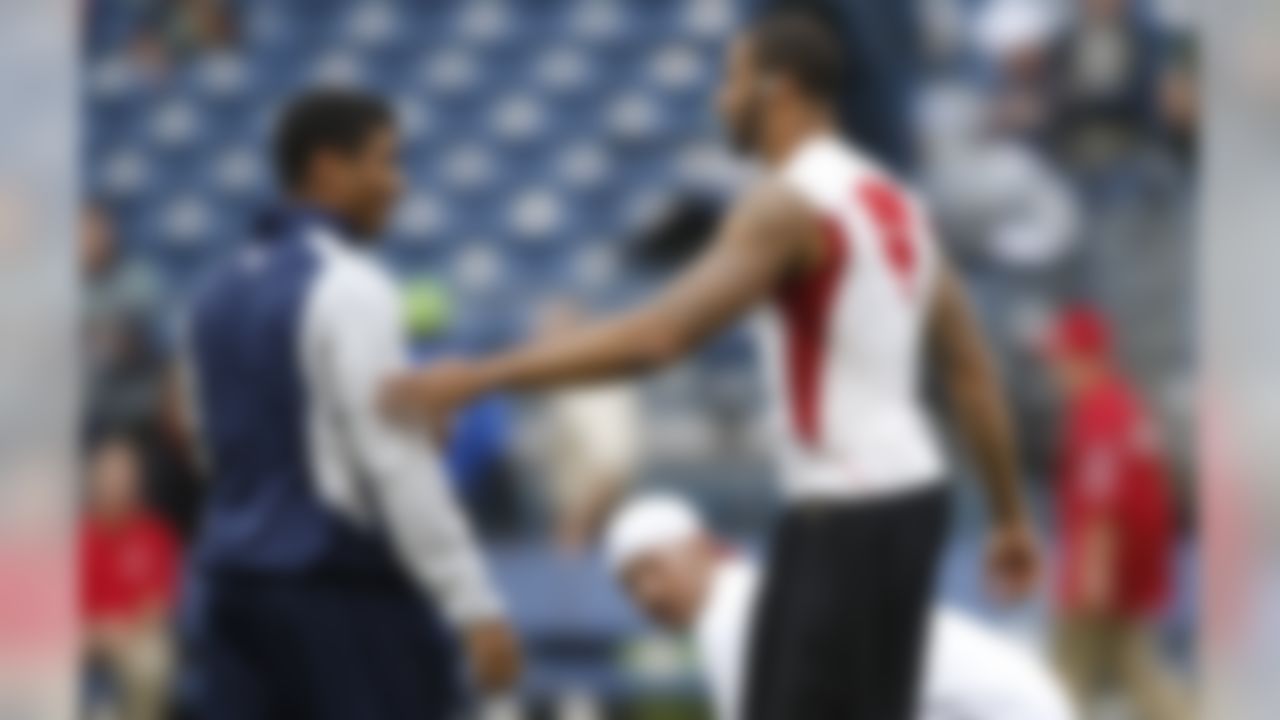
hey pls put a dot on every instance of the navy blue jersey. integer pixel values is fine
(288, 344)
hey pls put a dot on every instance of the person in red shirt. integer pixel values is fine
(1114, 523)
(129, 561)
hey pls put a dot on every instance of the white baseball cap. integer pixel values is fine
(648, 523)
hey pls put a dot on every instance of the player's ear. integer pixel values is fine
(326, 164)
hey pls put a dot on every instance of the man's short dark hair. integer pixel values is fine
(798, 45)
(333, 119)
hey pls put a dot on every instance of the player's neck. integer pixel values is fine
(318, 202)
(792, 133)
(321, 206)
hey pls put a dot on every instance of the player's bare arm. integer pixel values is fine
(977, 407)
(769, 234)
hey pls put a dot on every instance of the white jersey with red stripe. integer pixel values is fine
(844, 345)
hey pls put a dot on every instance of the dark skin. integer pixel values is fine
(977, 409)
(766, 234)
(361, 188)
(769, 236)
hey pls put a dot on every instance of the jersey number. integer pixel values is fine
(893, 221)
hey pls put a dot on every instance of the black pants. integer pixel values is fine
(279, 649)
(840, 626)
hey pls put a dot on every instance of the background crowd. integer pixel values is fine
(555, 148)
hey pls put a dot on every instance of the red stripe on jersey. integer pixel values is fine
(807, 304)
(890, 212)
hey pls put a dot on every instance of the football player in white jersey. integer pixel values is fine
(685, 578)
(857, 306)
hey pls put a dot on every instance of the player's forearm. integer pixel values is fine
(980, 410)
(756, 246)
(629, 345)
(976, 401)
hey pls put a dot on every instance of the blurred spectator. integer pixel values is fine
(180, 28)
(129, 568)
(1180, 105)
(200, 25)
(1016, 37)
(120, 299)
(590, 446)
(1104, 80)
(152, 36)
(993, 194)
(174, 482)
(1115, 527)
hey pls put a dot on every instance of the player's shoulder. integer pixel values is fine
(771, 202)
(353, 272)
(830, 170)
(351, 278)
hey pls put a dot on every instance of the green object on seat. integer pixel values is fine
(426, 307)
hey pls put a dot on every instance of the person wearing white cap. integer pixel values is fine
(686, 578)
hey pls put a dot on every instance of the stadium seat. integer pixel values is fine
(525, 124)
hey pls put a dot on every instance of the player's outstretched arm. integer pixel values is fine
(763, 239)
(977, 406)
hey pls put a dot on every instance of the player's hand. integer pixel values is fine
(1013, 560)
(494, 655)
(431, 395)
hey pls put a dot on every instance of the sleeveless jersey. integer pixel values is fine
(844, 344)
